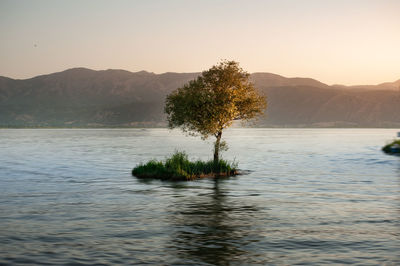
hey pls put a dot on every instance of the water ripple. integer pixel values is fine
(315, 196)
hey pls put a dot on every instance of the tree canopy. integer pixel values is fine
(211, 102)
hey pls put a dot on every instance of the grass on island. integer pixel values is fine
(178, 167)
(392, 148)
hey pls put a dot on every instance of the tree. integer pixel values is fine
(211, 102)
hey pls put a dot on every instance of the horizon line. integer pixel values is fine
(173, 72)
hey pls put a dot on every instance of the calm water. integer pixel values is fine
(314, 196)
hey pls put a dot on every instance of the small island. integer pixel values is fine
(392, 148)
(179, 168)
(205, 107)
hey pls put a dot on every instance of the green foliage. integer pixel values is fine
(178, 167)
(210, 103)
(392, 148)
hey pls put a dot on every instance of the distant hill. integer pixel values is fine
(267, 80)
(81, 97)
(393, 86)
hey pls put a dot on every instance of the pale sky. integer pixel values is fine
(336, 42)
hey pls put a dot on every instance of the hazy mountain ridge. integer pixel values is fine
(85, 97)
(394, 86)
(266, 80)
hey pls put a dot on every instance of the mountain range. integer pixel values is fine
(82, 97)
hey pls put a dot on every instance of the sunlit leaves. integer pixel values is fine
(210, 103)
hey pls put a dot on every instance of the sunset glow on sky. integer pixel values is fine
(345, 42)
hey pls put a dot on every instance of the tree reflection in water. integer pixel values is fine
(213, 228)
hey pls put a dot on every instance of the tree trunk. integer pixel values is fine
(216, 147)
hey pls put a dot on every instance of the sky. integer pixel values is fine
(334, 41)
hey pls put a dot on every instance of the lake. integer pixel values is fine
(310, 196)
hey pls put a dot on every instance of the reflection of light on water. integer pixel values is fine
(67, 196)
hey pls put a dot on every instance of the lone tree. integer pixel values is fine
(210, 103)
